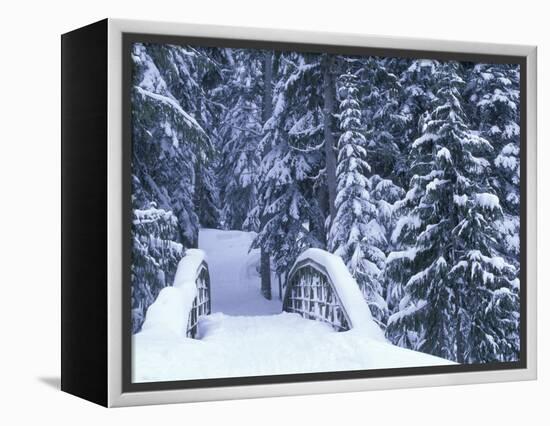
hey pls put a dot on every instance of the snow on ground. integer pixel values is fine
(239, 346)
(247, 335)
(235, 283)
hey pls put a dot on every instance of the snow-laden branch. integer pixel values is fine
(190, 121)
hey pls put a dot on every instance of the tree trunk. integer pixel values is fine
(265, 272)
(265, 263)
(459, 337)
(268, 86)
(453, 216)
(330, 154)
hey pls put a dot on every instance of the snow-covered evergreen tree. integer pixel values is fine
(155, 257)
(450, 224)
(386, 195)
(417, 98)
(493, 91)
(241, 132)
(418, 85)
(191, 74)
(355, 233)
(167, 144)
(385, 121)
(288, 208)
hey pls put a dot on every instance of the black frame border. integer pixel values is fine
(84, 234)
(130, 38)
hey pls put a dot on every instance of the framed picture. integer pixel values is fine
(253, 212)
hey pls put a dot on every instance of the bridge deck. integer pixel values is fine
(247, 335)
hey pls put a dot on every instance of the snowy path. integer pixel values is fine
(247, 335)
(235, 283)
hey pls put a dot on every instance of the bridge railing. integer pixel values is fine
(201, 303)
(177, 308)
(310, 292)
(320, 288)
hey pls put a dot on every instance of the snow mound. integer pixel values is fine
(348, 291)
(169, 313)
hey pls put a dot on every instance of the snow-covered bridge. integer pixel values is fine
(213, 321)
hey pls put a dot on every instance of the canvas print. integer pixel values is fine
(302, 212)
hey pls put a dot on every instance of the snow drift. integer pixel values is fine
(170, 311)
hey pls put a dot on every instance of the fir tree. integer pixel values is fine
(386, 195)
(155, 257)
(385, 121)
(355, 233)
(190, 75)
(451, 221)
(288, 210)
(493, 92)
(167, 144)
(241, 132)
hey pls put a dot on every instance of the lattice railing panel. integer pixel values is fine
(201, 303)
(310, 293)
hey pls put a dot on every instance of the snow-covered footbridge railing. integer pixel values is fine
(320, 288)
(178, 307)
